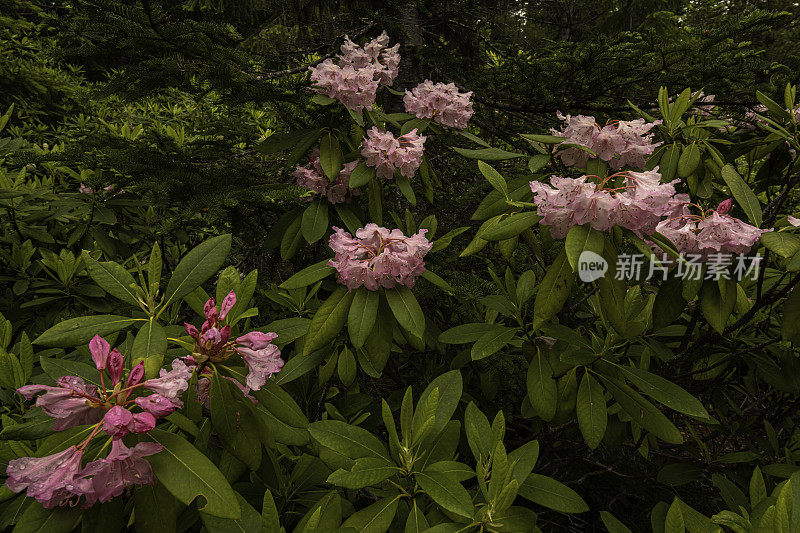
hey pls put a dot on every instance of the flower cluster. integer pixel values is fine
(119, 405)
(84, 189)
(378, 257)
(388, 154)
(638, 203)
(712, 232)
(441, 102)
(212, 343)
(313, 177)
(59, 479)
(354, 81)
(621, 143)
(375, 55)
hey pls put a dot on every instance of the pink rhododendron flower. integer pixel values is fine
(51, 480)
(313, 177)
(378, 257)
(638, 204)
(261, 364)
(70, 402)
(355, 79)
(712, 232)
(620, 143)
(155, 404)
(213, 342)
(375, 55)
(441, 102)
(122, 469)
(793, 221)
(172, 383)
(388, 154)
(83, 189)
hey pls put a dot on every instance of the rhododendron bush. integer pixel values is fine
(611, 297)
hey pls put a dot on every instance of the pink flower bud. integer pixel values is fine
(143, 422)
(116, 364)
(227, 305)
(192, 331)
(210, 311)
(99, 349)
(136, 375)
(118, 421)
(725, 206)
(256, 340)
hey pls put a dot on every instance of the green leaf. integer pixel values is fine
(689, 160)
(32, 430)
(347, 367)
(716, 307)
(612, 524)
(361, 316)
(446, 492)
(37, 519)
(78, 331)
(366, 471)
(511, 226)
(404, 184)
(377, 517)
(330, 155)
(250, 521)
(552, 494)
(198, 265)
(416, 521)
(361, 175)
(113, 278)
(234, 422)
(328, 320)
(542, 388)
(308, 276)
(553, 291)
(187, 474)
(492, 342)
(743, 194)
(669, 161)
(281, 404)
(591, 411)
(450, 387)
(299, 365)
(790, 321)
(56, 367)
(156, 509)
(674, 522)
(487, 154)
(538, 162)
(150, 345)
(545, 139)
(642, 412)
(438, 281)
(581, 239)
(665, 392)
(782, 243)
(466, 333)
(315, 221)
(494, 177)
(406, 310)
(269, 514)
(351, 441)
